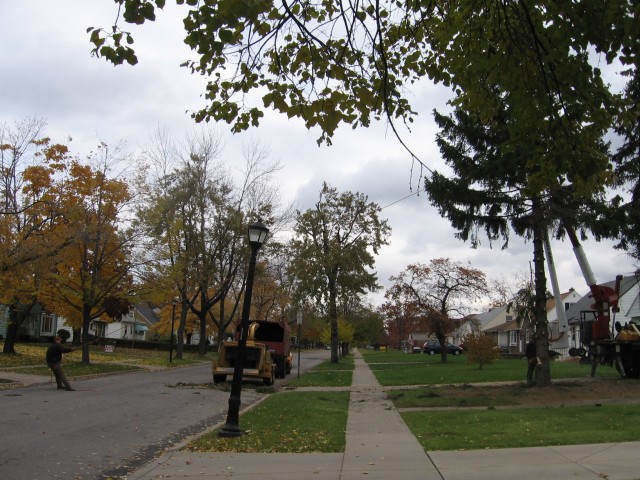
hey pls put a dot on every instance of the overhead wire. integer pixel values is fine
(417, 192)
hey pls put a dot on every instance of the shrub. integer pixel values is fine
(480, 349)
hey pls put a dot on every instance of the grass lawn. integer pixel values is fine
(294, 422)
(527, 427)
(32, 356)
(326, 374)
(397, 368)
(78, 369)
(287, 422)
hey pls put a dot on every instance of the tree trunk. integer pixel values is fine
(77, 337)
(333, 316)
(443, 345)
(202, 346)
(541, 333)
(86, 321)
(180, 334)
(13, 326)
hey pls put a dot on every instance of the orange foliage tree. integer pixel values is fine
(94, 266)
(29, 217)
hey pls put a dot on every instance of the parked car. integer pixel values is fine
(431, 347)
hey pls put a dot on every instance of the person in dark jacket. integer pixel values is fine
(54, 357)
(532, 361)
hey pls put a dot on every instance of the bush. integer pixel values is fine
(480, 350)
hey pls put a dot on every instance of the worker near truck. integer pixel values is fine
(532, 361)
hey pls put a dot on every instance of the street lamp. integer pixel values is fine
(173, 320)
(257, 235)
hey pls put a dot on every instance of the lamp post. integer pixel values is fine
(173, 320)
(257, 235)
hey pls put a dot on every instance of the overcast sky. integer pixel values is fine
(47, 71)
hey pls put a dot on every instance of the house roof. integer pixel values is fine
(142, 312)
(551, 303)
(485, 319)
(505, 327)
(497, 319)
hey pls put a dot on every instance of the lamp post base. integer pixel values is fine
(230, 431)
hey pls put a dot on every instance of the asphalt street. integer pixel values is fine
(112, 424)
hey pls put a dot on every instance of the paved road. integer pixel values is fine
(109, 425)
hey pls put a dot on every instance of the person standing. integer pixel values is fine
(54, 357)
(532, 362)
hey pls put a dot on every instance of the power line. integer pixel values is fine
(417, 192)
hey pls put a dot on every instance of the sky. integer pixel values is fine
(47, 71)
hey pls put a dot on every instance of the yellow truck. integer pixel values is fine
(258, 360)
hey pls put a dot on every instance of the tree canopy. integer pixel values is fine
(333, 250)
(353, 62)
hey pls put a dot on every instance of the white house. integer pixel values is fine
(470, 324)
(511, 336)
(135, 325)
(37, 323)
(559, 340)
(629, 303)
(494, 322)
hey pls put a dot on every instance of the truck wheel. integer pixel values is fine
(280, 367)
(271, 380)
(219, 378)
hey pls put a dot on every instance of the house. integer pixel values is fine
(628, 304)
(468, 324)
(512, 336)
(558, 337)
(135, 325)
(508, 336)
(461, 327)
(415, 340)
(37, 324)
(492, 322)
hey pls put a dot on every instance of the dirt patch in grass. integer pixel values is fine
(588, 390)
(564, 392)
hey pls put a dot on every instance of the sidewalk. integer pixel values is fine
(24, 379)
(380, 446)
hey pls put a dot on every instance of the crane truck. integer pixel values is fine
(601, 345)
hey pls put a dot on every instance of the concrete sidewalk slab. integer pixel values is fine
(580, 462)
(25, 379)
(378, 442)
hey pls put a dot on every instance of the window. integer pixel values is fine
(514, 337)
(47, 324)
(100, 329)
